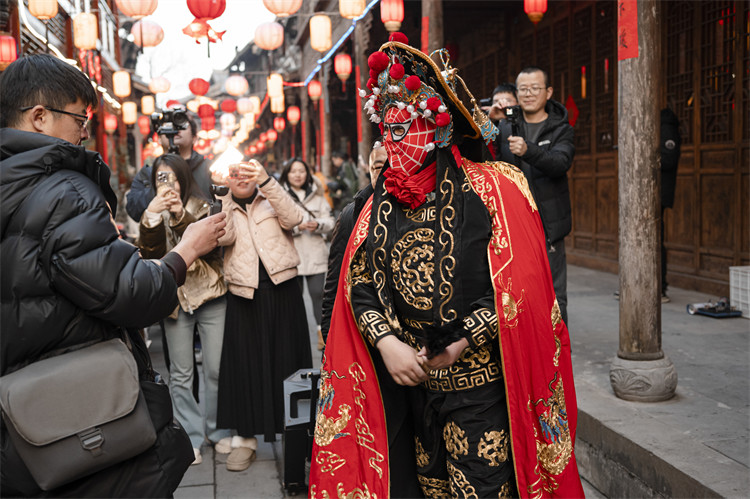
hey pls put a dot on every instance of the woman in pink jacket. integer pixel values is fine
(265, 337)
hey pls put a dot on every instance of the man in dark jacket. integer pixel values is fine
(142, 192)
(544, 151)
(68, 280)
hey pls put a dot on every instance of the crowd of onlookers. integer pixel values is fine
(241, 308)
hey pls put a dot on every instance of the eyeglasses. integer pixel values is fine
(530, 90)
(398, 130)
(81, 119)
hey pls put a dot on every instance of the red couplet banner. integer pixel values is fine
(627, 29)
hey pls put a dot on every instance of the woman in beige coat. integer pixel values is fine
(310, 236)
(265, 337)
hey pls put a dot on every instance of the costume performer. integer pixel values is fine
(445, 281)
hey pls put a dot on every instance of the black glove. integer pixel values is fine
(436, 337)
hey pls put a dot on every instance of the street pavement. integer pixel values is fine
(702, 433)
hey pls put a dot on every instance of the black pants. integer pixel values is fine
(463, 442)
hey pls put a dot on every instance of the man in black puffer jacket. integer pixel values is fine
(67, 278)
(544, 150)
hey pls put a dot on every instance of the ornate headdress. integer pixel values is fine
(405, 77)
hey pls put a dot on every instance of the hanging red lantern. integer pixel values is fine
(293, 115)
(208, 122)
(137, 9)
(261, 146)
(271, 136)
(269, 36)
(392, 14)
(283, 8)
(172, 103)
(342, 65)
(144, 124)
(535, 9)
(252, 150)
(147, 33)
(207, 9)
(43, 9)
(159, 85)
(314, 90)
(198, 86)
(110, 123)
(205, 111)
(8, 52)
(279, 124)
(85, 31)
(229, 105)
(262, 137)
(236, 85)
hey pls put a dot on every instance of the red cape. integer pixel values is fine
(350, 451)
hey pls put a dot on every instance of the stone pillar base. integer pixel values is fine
(643, 380)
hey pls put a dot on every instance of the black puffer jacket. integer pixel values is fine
(67, 279)
(546, 164)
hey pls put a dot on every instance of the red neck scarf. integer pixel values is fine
(410, 190)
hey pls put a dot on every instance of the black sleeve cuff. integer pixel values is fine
(176, 266)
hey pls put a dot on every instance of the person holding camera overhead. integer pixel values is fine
(202, 304)
(183, 130)
(310, 236)
(266, 336)
(543, 148)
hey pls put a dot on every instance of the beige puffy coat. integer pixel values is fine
(312, 246)
(262, 232)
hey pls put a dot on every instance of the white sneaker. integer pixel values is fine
(250, 443)
(198, 457)
(223, 446)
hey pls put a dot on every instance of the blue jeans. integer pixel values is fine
(209, 319)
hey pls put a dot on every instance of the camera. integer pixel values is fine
(215, 205)
(511, 114)
(169, 123)
(485, 102)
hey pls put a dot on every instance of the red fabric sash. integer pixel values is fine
(350, 452)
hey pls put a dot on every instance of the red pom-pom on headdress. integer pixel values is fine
(397, 71)
(398, 37)
(442, 119)
(371, 83)
(374, 74)
(378, 61)
(433, 103)
(412, 83)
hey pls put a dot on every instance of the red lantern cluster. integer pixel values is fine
(205, 111)
(198, 86)
(314, 90)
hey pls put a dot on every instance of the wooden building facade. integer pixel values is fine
(705, 80)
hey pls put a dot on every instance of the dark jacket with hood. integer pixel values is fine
(67, 281)
(142, 192)
(546, 164)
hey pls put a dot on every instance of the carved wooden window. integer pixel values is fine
(580, 76)
(603, 71)
(679, 74)
(719, 46)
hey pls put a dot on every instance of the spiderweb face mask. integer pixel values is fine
(405, 138)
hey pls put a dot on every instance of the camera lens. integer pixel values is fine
(180, 119)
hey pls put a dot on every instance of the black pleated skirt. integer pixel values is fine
(266, 340)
